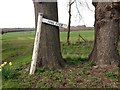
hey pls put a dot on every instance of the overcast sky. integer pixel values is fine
(20, 13)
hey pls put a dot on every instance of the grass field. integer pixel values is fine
(17, 48)
(19, 45)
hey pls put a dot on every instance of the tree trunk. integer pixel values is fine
(106, 34)
(49, 51)
(69, 23)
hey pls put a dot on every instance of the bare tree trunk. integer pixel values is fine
(69, 23)
(106, 34)
(49, 51)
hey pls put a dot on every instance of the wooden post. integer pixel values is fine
(36, 44)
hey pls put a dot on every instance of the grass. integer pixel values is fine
(74, 36)
(112, 75)
(19, 45)
(17, 48)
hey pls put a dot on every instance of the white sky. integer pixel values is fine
(20, 13)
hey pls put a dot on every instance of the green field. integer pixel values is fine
(19, 45)
(17, 48)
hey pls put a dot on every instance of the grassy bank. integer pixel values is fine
(17, 48)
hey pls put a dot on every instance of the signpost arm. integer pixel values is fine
(36, 44)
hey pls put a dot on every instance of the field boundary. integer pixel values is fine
(8, 30)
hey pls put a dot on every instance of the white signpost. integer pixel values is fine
(36, 44)
(54, 23)
(37, 39)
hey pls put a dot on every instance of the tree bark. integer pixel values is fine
(107, 20)
(49, 51)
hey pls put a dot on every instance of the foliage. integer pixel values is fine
(89, 64)
(82, 74)
(112, 75)
(8, 72)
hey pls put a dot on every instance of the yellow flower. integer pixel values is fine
(2, 65)
(0, 69)
(5, 63)
(10, 63)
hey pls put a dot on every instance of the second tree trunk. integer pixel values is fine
(106, 34)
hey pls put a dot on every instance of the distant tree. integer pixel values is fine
(107, 26)
(49, 51)
(80, 16)
(69, 21)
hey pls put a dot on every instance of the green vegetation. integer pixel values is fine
(17, 48)
(89, 64)
(8, 72)
(82, 74)
(112, 75)
(74, 36)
